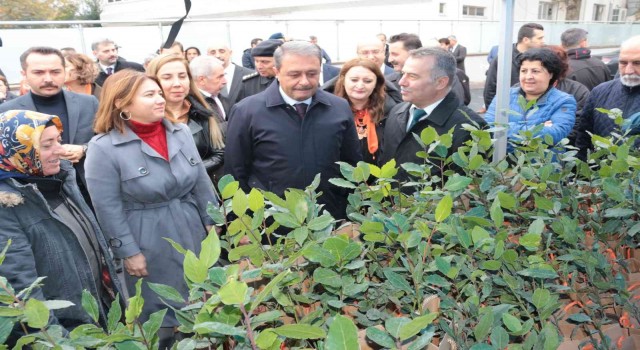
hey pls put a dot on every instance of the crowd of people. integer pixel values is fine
(102, 159)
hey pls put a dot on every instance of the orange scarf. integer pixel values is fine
(363, 119)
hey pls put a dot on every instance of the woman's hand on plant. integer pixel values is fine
(136, 265)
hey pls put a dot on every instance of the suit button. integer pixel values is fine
(192, 161)
(143, 170)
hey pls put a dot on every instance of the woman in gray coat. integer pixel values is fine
(147, 183)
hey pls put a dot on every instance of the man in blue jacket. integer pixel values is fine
(622, 93)
(282, 137)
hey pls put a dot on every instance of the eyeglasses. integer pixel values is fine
(371, 52)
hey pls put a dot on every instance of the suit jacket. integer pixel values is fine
(81, 110)
(329, 72)
(387, 70)
(121, 64)
(402, 146)
(460, 53)
(236, 83)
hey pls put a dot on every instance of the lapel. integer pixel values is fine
(440, 114)
(400, 118)
(73, 112)
(175, 141)
(26, 102)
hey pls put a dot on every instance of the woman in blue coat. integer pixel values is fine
(147, 183)
(556, 110)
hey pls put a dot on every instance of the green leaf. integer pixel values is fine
(167, 292)
(6, 325)
(187, 344)
(300, 234)
(36, 313)
(266, 338)
(90, 305)
(300, 331)
(342, 183)
(240, 203)
(416, 325)
(219, 328)
(286, 220)
(327, 277)
(484, 326)
(512, 323)
(256, 200)
(230, 189)
(475, 162)
(210, 249)
(320, 222)
(134, 309)
(114, 315)
(543, 203)
(175, 245)
(457, 183)
(482, 346)
(380, 337)
(579, 318)
(443, 265)
(491, 265)
(618, 212)
(343, 334)
(265, 317)
(321, 256)
(507, 201)
(397, 281)
(10, 311)
(499, 338)
(443, 210)
(613, 189)
(153, 324)
(538, 273)
(478, 234)
(233, 292)
(536, 227)
(394, 324)
(368, 227)
(551, 339)
(266, 291)
(389, 170)
(194, 269)
(496, 213)
(428, 135)
(541, 298)
(531, 241)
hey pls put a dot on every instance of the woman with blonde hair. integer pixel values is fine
(147, 183)
(362, 84)
(185, 104)
(80, 73)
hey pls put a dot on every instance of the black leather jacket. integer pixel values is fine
(212, 157)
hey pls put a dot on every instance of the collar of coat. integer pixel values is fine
(128, 136)
(273, 97)
(11, 197)
(440, 114)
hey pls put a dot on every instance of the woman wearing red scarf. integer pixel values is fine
(362, 84)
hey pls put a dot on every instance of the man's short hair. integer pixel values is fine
(41, 50)
(202, 66)
(410, 41)
(255, 41)
(445, 63)
(298, 47)
(95, 44)
(527, 31)
(444, 41)
(572, 37)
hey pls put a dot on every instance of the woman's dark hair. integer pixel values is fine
(564, 58)
(549, 60)
(191, 48)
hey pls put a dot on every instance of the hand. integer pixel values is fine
(548, 123)
(136, 265)
(73, 153)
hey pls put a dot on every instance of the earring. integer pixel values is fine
(124, 117)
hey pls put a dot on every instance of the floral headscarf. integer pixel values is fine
(20, 133)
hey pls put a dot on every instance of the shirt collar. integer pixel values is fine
(204, 93)
(429, 109)
(288, 100)
(104, 68)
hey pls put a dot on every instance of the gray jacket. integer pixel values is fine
(140, 199)
(43, 246)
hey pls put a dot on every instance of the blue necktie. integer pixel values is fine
(415, 118)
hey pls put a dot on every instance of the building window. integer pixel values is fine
(618, 15)
(598, 12)
(545, 10)
(473, 11)
(442, 8)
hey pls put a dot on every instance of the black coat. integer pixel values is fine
(271, 148)
(253, 84)
(121, 64)
(212, 157)
(402, 146)
(587, 70)
(581, 94)
(491, 84)
(247, 59)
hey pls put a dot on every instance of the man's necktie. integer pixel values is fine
(415, 118)
(109, 70)
(301, 108)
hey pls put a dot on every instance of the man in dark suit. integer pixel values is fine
(429, 101)
(233, 72)
(43, 69)
(208, 75)
(284, 136)
(458, 51)
(373, 49)
(328, 72)
(106, 52)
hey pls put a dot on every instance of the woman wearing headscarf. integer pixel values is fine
(53, 232)
(147, 183)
